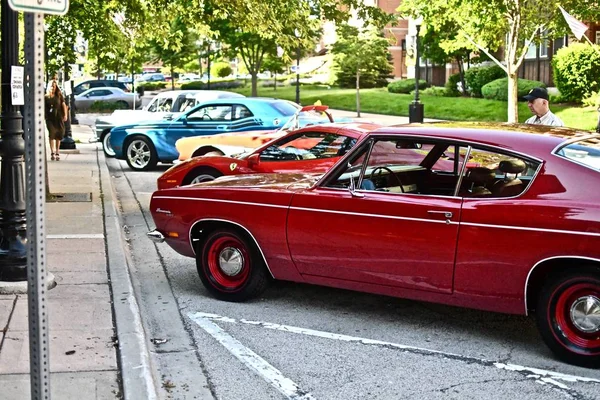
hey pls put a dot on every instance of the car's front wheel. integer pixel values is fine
(568, 316)
(140, 154)
(230, 266)
(198, 175)
(106, 147)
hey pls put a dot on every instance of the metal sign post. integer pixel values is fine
(39, 342)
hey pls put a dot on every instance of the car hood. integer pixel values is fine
(146, 124)
(265, 181)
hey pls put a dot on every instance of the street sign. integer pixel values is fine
(55, 7)
(16, 85)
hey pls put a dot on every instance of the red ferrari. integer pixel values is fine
(312, 149)
(498, 217)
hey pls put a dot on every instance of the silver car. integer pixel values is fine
(85, 100)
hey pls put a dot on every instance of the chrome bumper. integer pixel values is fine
(155, 236)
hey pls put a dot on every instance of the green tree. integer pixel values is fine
(512, 24)
(176, 47)
(362, 59)
(275, 65)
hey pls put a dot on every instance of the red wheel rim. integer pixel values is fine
(228, 276)
(566, 331)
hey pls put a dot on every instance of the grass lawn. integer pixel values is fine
(380, 101)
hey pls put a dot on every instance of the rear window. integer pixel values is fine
(285, 107)
(586, 152)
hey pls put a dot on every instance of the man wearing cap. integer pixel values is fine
(537, 101)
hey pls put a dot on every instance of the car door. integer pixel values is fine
(387, 231)
(304, 152)
(209, 119)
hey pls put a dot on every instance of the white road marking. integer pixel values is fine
(540, 375)
(252, 360)
(77, 236)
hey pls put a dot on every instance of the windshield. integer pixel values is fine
(586, 152)
(286, 108)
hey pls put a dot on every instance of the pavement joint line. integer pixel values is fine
(5, 329)
(77, 236)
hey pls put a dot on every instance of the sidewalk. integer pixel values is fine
(84, 250)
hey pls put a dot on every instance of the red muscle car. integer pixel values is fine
(499, 217)
(312, 149)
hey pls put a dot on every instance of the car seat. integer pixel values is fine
(509, 186)
(478, 179)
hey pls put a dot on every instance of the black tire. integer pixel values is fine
(201, 174)
(122, 105)
(140, 154)
(231, 267)
(106, 147)
(568, 316)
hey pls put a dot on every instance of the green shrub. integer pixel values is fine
(435, 91)
(577, 71)
(221, 69)
(151, 85)
(218, 85)
(498, 89)
(452, 85)
(107, 106)
(406, 86)
(477, 77)
(593, 100)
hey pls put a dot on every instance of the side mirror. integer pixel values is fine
(145, 108)
(183, 119)
(253, 160)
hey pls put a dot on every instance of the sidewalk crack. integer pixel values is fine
(5, 329)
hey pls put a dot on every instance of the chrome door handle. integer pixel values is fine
(446, 214)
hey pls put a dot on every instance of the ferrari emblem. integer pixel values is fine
(232, 166)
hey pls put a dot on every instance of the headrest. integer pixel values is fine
(512, 166)
(481, 175)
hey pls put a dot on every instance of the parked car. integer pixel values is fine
(151, 77)
(235, 143)
(84, 100)
(145, 144)
(99, 83)
(313, 149)
(518, 233)
(169, 104)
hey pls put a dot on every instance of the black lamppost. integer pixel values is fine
(297, 34)
(67, 143)
(13, 224)
(415, 109)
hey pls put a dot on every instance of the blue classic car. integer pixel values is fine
(144, 144)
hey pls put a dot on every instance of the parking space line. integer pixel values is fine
(539, 375)
(252, 360)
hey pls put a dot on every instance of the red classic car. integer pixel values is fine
(312, 149)
(498, 217)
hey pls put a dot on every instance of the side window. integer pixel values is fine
(152, 107)
(307, 146)
(212, 113)
(242, 112)
(402, 165)
(492, 174)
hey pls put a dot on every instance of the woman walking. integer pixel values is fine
(56, 116)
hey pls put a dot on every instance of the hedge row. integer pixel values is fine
(219, 85)
(498, 89)
(406, 86)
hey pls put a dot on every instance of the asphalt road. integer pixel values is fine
(306, 342)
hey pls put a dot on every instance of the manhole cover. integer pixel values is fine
(68, 197)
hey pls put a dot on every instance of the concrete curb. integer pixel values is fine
(134, 356)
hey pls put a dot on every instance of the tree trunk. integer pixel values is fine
(254, 83)
(275, 81)
(513, 110)
(172, 78)
(358, 93)
(461, 73)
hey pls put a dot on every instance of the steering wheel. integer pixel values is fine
(206, 116)
(380, 169)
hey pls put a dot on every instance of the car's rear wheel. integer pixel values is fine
(230, 266)
(122, 105)
(568, 316)
(140, 154)
(198, 175)
(106, 147)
